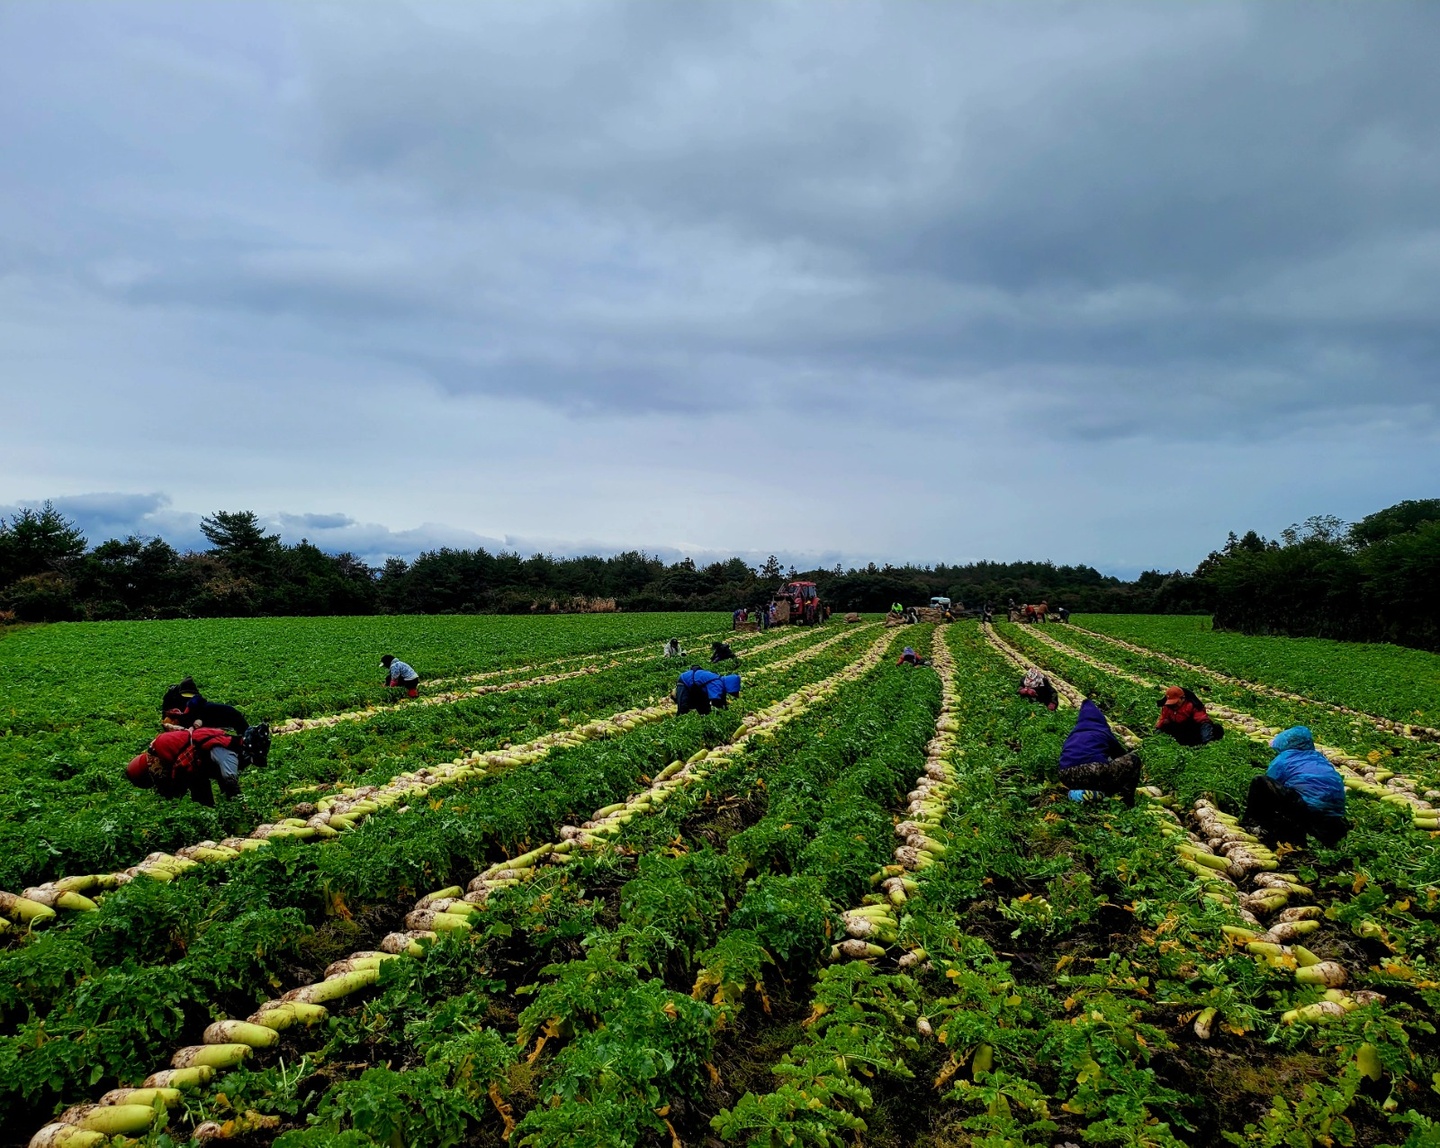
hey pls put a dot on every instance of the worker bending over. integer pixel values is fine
(908, 657)
(721, 652)
(672, 648)
(188, 760)
(1036, 686)
(1301, 793)
(1093, 760)
(698, 691)
(185, 707)
(399, 676)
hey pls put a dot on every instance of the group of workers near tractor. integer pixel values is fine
(1301, 793)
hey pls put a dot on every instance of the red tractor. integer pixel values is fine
(799, 602)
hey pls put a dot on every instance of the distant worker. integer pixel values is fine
(400, 676)
(987, 615)
(721, 652)
(1301, 793)
(1183, 717)
(672, 648)
(896, 609)
(1036, 686)
(909, 657)
(762, 613)
(1093, 760)
(912, 615)
(1064, 613)
(188, 760)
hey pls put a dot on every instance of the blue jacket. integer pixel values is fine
(731, 684)
(714, 684)
(1091, 740)
(1303, 768)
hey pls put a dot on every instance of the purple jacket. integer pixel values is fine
(1091, 740)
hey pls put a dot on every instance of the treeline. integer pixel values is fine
(48, 573)
(1373, 580)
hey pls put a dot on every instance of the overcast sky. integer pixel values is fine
(895, 281)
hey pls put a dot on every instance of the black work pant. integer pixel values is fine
(1118, 777)
(1193, 733)
(1280, 812)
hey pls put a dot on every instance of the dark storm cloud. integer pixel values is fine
(510, 266)
(1196, 194)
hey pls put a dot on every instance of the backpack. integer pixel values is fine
(255, 746)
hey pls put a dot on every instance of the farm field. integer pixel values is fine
(1392, 681)
(81, 699)
(853, 907)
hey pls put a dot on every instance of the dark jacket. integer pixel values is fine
(1091, 740)
(214, 715)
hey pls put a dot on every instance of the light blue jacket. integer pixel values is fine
(1303, 768)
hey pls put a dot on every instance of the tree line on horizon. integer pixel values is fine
(1369, 581)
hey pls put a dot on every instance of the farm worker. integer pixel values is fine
(1036, 686)
(1183, 717)
(908, 657)
(695, 690)
(770, 614)
(1064, 613)
(896, 609)
(185, 707)
(188, 759)
(400, 676)
(722, 689)
(1301, 792)
(1093, 760)
(721, 652)
(763, 614)
(672, 648)
(178, 697)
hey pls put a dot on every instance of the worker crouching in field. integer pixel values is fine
(721, 652)
(1183, 717)
(1093, 760)
(908, 657)
(1301, 793)
(1036, 686)
(399, 676)
(188, 760)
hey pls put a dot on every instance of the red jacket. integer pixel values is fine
(1186, 711)
(172, 755)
